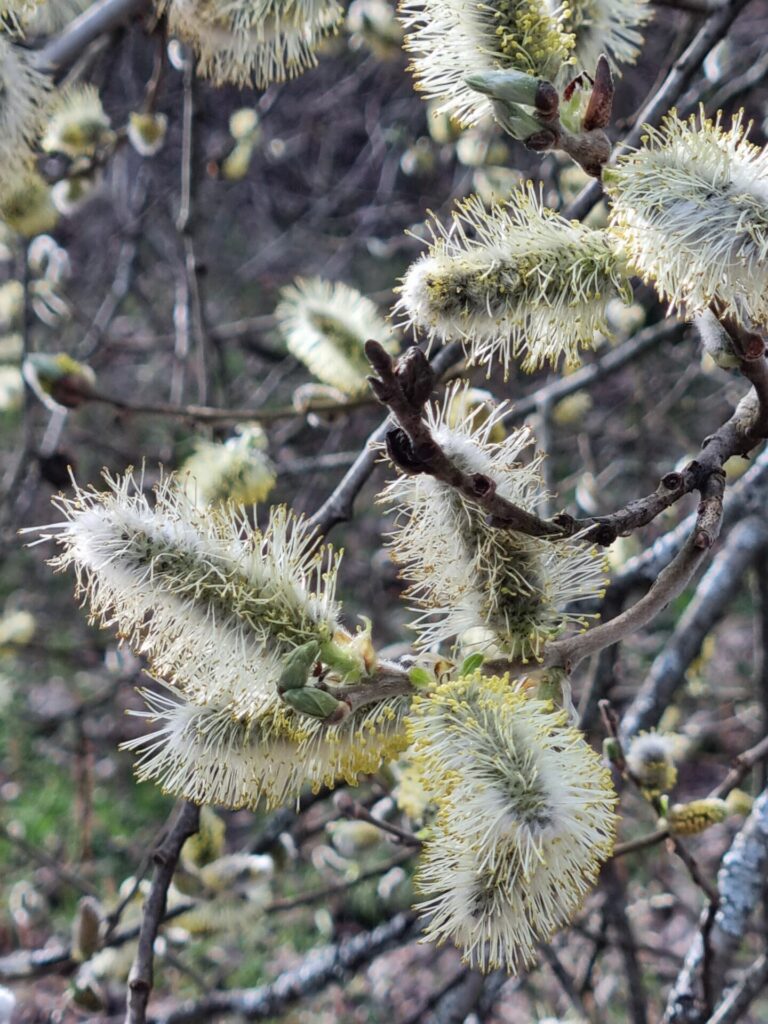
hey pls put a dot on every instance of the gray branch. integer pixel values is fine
(102, 17)
(740, 886)
(320, 968)
(741, 995)
(718, 587)
(748, 495)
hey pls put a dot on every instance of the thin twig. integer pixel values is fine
(320, 967)
(339, 505)
(339, 889)
(717, 589)
(739, 885)
(405, 386)
(166, 857)
(566, 982)
(615, 911)
(351, 808)
(69, 877)
(738, 999)
(100, 18)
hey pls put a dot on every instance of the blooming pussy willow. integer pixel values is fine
(78, 125)
(607, 26)
(525, 819)
(24, 96)
(649, 759)
(326, 326)
(466, 573)
(239, 470)
(252, 42)
(26, 206)
(451, 40)
(203, 752)
(517, 281)
(215, 604)
(691, 209)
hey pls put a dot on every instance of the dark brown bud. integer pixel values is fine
(416, 376)
(547, 100)
(541, 141)
(598, 112)
(378, 357)
(382, 391)
(400, 451)
(482, 485)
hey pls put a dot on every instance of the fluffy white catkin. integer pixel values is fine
(690, 207)
(518, 282)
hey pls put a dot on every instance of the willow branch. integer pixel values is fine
(738, 999)
(672, 581)
(405, 385)
(339, 505)
(104, 16)
(717, 589)
(319, 969)
(739, 883)
(166, 857)
(748, 496)
(348, 807)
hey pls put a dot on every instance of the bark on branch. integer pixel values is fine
(166, 857)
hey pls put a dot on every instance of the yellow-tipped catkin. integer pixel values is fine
(517, 282)
(452, 40)
(78, 124)
(466, 573)
(146, 132)
(649, 760)
(690, 208)
(613, 27)
(525, 819)
(237, 471)
(252, 41)
(695, 817)
(24, 99)
(326, 326)
(27, 207)
(739, 802)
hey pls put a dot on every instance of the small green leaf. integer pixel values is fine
(420, 677)
(311, 701)
(297, 666)
(611, 750)
(471, 664)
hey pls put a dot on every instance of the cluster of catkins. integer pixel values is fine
(68, 122)
(243, 634)
(240, 624)
(689, 214)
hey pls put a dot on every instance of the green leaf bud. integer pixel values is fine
(516, 121)
(611, 750)
(471, 664)
(510, 86)
(309, 700)
(420, 677)
(297, 666)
